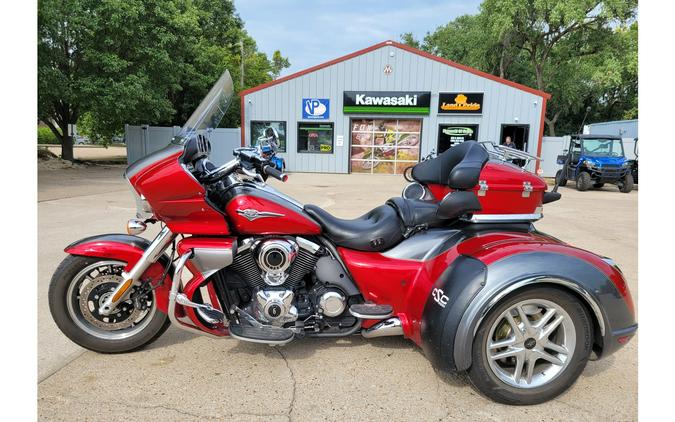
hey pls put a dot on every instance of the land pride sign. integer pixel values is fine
(386, 102)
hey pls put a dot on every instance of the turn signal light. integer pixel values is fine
(136, 226)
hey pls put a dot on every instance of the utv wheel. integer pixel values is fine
(598, 185)
(559, 179)
(531, 347)
(79, 286)
(584, 182)
(627, 184)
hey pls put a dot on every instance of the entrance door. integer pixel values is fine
(386, 146)
(450, 135)
(518, 135)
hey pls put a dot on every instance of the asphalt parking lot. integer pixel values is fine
(188, 377)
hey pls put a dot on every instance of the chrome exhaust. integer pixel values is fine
(389, 327)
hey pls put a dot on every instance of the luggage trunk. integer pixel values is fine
(505, 191)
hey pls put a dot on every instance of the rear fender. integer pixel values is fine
(580, 272)
(128, 249)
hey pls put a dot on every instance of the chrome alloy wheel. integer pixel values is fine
(88, 291)
(531, 343)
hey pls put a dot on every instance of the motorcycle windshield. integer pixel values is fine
(211, 110)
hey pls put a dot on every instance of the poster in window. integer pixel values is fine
(315, 138)
(258, 131)
(385, 146)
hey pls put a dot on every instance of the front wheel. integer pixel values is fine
(627, 184)
(584, 181)
(531, 347)
(80, 285)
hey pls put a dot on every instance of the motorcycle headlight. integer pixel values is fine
(143, 208)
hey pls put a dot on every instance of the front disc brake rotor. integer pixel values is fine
(95, 293)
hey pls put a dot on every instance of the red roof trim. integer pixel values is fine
(402, 47)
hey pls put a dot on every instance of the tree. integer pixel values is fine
(136, 62)
(539, 26)
(279, 63)
(579, 51)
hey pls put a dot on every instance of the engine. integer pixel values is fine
(284, 288)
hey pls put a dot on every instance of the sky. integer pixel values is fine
(310, 32)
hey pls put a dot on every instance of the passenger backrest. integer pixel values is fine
(459, 167)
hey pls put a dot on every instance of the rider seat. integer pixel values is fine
(377, 230)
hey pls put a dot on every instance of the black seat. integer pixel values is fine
(459, 167)
(377, 230)
(415, 213)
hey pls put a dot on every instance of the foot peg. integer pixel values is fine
(371, 311)
(208, 312)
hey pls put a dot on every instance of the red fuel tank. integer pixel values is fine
(253, 209)
(504, 189)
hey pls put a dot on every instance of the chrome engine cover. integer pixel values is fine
(274, 257)
(275, 306)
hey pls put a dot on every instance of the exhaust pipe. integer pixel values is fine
(390, 327)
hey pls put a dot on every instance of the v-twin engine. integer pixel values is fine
(274, 268)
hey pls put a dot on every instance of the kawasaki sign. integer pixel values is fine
(386, 102)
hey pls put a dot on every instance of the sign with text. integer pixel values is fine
(386, 102)
(315, 108)
(460, 103)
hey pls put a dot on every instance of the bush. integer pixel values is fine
(46, 136)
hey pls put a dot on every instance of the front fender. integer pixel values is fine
(583, 273)
(128, 249)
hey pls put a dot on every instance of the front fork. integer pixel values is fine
(149, 257)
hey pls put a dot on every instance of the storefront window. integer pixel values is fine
(450, 135)
(258, 130)
(386, 146)
(315, 138)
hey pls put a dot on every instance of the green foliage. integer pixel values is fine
(582, 52)
(46, 136)
(279, 63)
(104, 63)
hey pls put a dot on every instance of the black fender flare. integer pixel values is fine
(450, 297)
(514, 272)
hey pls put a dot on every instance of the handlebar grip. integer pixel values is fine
(272, 171)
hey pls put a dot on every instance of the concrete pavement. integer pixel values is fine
(187, 377)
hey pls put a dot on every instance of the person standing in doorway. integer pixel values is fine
(509, 143)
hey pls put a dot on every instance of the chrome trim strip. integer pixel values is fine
(504, 218)
(252, 214)
(390, 327)
(150, 256)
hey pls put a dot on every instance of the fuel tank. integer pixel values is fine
(260, 209)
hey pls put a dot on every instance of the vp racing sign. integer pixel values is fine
(315, 108)
(387, 102)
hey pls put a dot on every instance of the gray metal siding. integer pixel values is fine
(143, 140)
(411, 72)
(623, 128)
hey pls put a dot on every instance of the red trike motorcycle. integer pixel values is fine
(455, 265)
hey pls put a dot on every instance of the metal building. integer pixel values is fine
(622, 128)
(383, 108)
